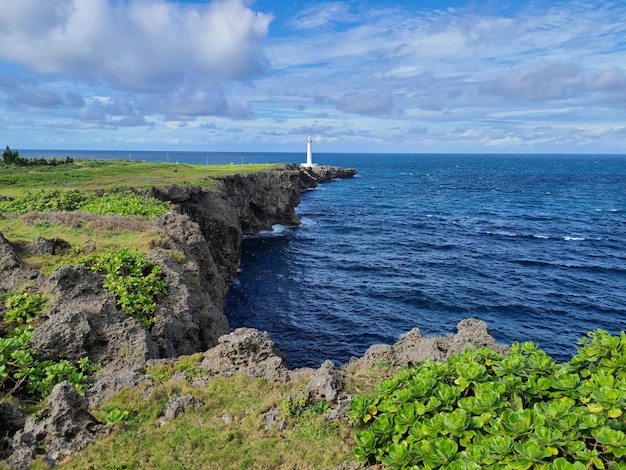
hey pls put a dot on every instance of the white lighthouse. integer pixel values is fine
(309, 155)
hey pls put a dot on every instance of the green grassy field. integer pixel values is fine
(92, 175)
(88, 233)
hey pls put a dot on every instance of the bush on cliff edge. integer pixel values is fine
(481, 409)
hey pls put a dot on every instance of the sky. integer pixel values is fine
(412, 76)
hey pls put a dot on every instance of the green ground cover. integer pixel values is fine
(92, 175)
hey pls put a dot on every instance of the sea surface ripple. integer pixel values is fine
(534, 245)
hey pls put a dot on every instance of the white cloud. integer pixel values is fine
(146, 46)
(539, 82)
(490, 75)
(372, 104)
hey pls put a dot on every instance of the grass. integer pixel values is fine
(96, 233)
(86, 233)
(93, 175)
(227, 432)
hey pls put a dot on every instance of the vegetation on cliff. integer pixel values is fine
(481, 409)
(22, 373)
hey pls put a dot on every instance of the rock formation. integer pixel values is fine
(204, 235)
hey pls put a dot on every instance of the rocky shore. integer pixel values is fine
(199, 258)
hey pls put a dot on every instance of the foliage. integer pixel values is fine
(115, 414)
(46, 200)
(134, 281)
(67, 200)
(22, 308)
(126, 203)
(12, 157)
(481, 409)
(20, 369)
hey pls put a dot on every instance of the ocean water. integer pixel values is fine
(534, 245)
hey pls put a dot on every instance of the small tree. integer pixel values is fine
(10, 157)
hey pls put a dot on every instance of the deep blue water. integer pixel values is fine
(535, 245)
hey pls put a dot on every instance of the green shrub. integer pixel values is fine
(46, 200)
(483, 410)
(23, 308)
(21, 372)
(134, 281)
(126, 203)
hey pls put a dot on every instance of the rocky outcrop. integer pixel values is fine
(323, 174)
(14, 272)
(413, 348)
(62, 427)
(246, 351)
(199, 259)
(85, 322)
(177, 405)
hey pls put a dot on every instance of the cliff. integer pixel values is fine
(199, 259)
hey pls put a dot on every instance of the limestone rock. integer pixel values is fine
(177, 405)
(41, 246)
(14, 273)
(323, 174)
(249, 352)
(328, 383)
(413, 349)
(64, 425)
(473, 333)
(12, 419)
(189, 317)
(86, 322)
(104, 388)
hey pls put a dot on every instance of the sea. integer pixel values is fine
(534, 245)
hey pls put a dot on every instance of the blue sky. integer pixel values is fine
(357, 76)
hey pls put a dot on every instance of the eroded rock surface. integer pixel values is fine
(199, 259)
(14, 272)
(63, 426)
(247, 351)
(412, 348)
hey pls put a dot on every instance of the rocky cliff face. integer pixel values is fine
(199, 260)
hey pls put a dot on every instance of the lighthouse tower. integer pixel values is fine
(309, 156)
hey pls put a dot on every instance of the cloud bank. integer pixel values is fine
(156, 56)
(358, 76)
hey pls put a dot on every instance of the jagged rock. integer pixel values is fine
(412, 348)
(64, 426)
(86, 322)
(264, 198)
(189, 317)
(104, 388)
(472, 333)
(327, 383)
(212, 235)
(249, 352)
(323, 174)
(14, 273)
(177, 405)
(41, 246)
(12, 419)
(375, 354)
(340, 410)
(273, 419)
